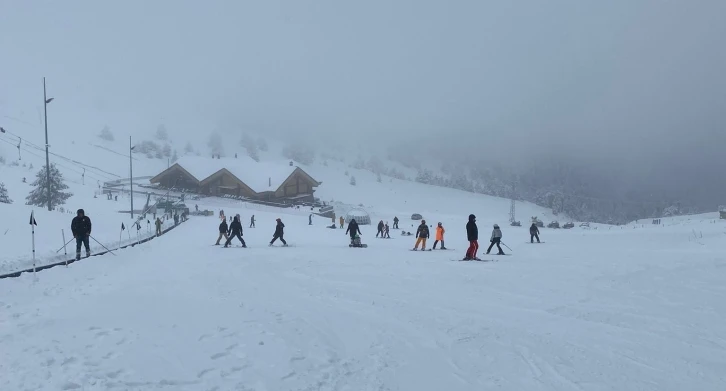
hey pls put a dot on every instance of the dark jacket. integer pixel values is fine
(81, 226)
(395, 219)
(472, 231)
(533, 229)
(380, 226)
(422, 231)
(279, 229)
(235, 227)
(223, 226)
(353, 228)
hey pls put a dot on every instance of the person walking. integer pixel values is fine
(222, 232)
(252, 221)
(353, 230)
(422, 233)
(496, 239)
(235, 231)
(395, 222)
(533, 233)
(472, 235)
(81, 229)
(310, 219)
(380, 229)
(158, 226)
(342, 222)
(440, 236)
(279, 233)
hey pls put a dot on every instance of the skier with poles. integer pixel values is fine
(235, 231)
(422, 233)
(380, 229)
(472, 235)
(252, 221)
(440, 236)
(279, 233)
(81, 229)
(222, 232)
(533, 233)
(496, 239)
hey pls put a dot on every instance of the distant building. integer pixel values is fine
(239, 177)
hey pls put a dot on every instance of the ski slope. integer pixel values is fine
(603, 309)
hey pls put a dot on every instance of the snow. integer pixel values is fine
(259, 176)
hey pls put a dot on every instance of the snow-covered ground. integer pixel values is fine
(600, 309)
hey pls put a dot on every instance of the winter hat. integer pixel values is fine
(278, 219)
(439, 223)
(81, 212)
(472, 217)
(496, 226)
(423, 221)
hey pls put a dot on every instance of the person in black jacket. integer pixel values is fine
(222, 231)
(395, 222)
(81, 228)
(533, 233)
(422, 233)
(472, 235)
(380, 229)
(235, 231)
(353, 229)
(279, 233)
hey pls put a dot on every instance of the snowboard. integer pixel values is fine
(474, 260)
(447, 249)
(233, 247)
(500, 255)
(361, 246)
(534, 242)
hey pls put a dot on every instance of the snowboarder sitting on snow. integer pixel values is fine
(440, 236)
(422, 233)
(235, 231)
(222, 232)
(380, 229)
(353, 230)
(496, 239)
(81, 229)
(472, 235)
(533, 233)
(279, 233)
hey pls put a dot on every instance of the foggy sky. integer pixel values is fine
(637, 87)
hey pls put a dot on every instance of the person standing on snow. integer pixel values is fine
(395, 222)
(353, 230)
(222, 232)
(386, 231)
(279, 233)
(533, 233)
(342, 222)
(252, 221)
(158, 226)
(310, 219)
(422, 233)
(380, 229)
(440, 236)
(472, 235)
(496, 239)
(235, 231)
(81, 229)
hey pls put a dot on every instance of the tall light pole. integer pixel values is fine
(47, 158)
(131, 177)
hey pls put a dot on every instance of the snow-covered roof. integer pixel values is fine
(259, 176)
(357, 213)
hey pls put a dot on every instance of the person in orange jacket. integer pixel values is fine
(440, 236)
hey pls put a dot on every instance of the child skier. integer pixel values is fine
(440, 236)
(386, 230)
(496, 239)
(222, 232)
(422, 233)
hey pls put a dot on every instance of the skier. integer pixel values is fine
(342, 222)
(310, 219)
(472, 235)
(222, 232)
(422, 233)
(176, 219)
(81, 229)
(158, 226)
(196, 207)
(353, 230)
(395, 222)
(496, 239)
(533, 233)
(252, 221)
(380, 229)
(440, 236)
(235, 231)
(279, 233)
(386, 229)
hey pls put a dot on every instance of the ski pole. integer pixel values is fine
(506, 246)
(94, 239)
(62, 247)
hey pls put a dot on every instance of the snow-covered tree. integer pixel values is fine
(352, 180)
(39, 195)
(4, 198)
(262, 144)
(250, 146)
(299, 153)
(215, 143)
(378, 178)
(166, 150)
(189, 148)
(30, 167)
(106, 134)
(347, 173)
(174, 157)
(161, 133)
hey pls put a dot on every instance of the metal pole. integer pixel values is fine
(65, 252)
(47, 158)
(131, 178)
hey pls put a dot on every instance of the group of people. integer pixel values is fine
(472, 235)
(234, 230)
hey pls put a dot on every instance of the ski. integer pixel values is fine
(419, 250)
(534, 242)
(473, 260)
(361, 246)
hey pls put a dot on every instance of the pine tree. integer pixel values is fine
(379, 178)
(262, 144)
(174, 157)
(352, 181)
(161, 133)
(166, 150)
(39, 195)
(189, 148)
(216, 145)
(106, 134)
(4, 198)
